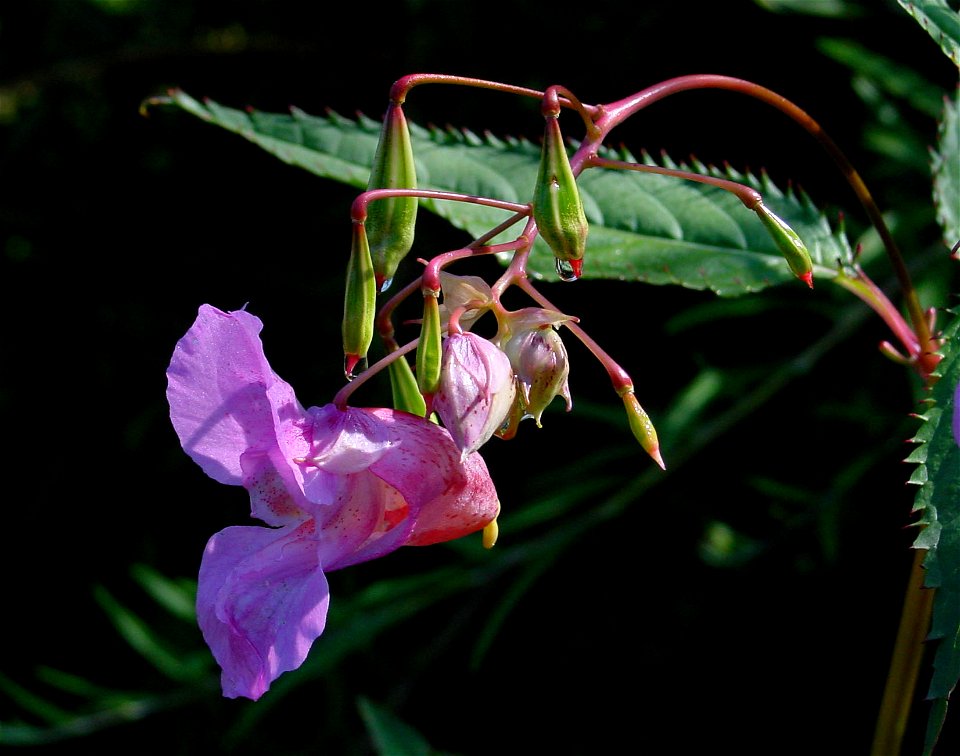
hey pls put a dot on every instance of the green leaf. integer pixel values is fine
(644, 227)
(178, 598)
(946, 172)
(937, 456)
(823, 8)
(390, 735)
(941, 22)
(891, 77)
(146, 642)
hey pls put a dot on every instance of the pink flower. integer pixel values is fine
(335, 486)
(477, 390)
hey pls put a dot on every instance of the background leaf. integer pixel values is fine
(946, 172)
(643, 227)
(940, 20)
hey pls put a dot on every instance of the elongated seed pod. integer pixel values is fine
(359, 303)
(557, 207)
(391, 222)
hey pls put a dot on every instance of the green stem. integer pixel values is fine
(905, 663)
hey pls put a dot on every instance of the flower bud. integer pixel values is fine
(641, 426)
(391, 222)
(791, 246)
(557, 207)
(539, 360)
(429, 350)
(359, 304)
(477, 389)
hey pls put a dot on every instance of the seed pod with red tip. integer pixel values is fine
(391, 222)
(789, 243)
(359, 303)
(557, 207)
(641, 426)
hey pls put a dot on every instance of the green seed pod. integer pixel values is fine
(791, 246)
(642, 427)
(430, 348)
(406, 394)
(557, 207)
(391, 222)
(359, 304)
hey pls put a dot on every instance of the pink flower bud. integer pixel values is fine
(477, 390)
(540, 362)
(539, 358)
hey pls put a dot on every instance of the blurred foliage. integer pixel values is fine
(749, 597)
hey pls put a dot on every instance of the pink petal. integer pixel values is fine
(458, 512)
(224, 398)
(261, 602)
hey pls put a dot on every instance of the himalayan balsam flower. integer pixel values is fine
(334, 486)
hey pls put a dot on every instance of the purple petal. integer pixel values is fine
(347, 440)
(224, 398)
(261, 602)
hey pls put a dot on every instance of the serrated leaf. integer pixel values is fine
(938, 503)
(644, 227)
(946, 172)
(941, 22)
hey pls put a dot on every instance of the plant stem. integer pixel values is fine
(905, 663)
(617, 112)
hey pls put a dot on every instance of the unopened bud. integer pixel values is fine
(477, 389)
(557, 207)
(540, 362)
(391, 222)
(789, 243)
(359, 304)
(642, 427)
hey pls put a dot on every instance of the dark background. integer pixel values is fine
(114, 228)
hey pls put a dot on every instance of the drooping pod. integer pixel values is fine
(359, 303)
(557, 206)
(789, 243)
(391, 222)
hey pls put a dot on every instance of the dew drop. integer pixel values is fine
(385, 285)
(566, 270)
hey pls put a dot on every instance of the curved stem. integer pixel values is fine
(618, 376)
(617, 112)
(401, 87)
(358, 210)
(749, 197)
